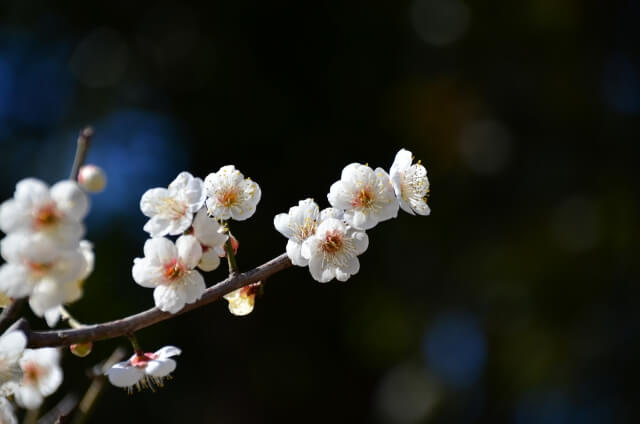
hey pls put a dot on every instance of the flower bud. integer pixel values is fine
(81, 349)
(92, 178)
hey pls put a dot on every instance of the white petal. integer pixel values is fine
(145, 274)
(160, 368)
(168, 298)
(360, 241)
(150, 200)
(207, 230)
(13, 216)
(52, 316)
(168, 352)
(15, 280)
(160, 250)
(281, 222)
(31, 193)
(294, 253)
(124, 375)
(401, 162)
(209, 261)
(12, 345)
(158, 226)
(317, 271)
(189, 250)
(28, 397)
(193, 286)
(70, 199)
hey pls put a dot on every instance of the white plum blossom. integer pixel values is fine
(231, 195)
(171, 209)
(332, 251)
(146, 370)
(7, 416)
(366, 196)
(38, 271)
(298, 225)
(55, 213)
(212, 238)
(410, 183)
(12, 345)
(169, 269)
(42, 376)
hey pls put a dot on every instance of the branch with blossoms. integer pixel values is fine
(189, 227)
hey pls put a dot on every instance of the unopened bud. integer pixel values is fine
(81, 349)
(92, 178)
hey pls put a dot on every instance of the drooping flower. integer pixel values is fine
(231, 195)
(211, 236)
(365, 195)
(147, 370)
(410, 183)
(171, 209)
(7, 416)
(242, 300)
(170, 270)
(12, 345)
(298, 225)
(332, 251)
(42, 376)
(54, 213)
(38, 270)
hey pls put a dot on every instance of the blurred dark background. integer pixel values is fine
(514, 302)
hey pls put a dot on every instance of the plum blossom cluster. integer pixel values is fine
(330, 241)
(46, 258)
(28, 375)
(196, 211)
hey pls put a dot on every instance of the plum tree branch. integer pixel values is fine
(130, 324)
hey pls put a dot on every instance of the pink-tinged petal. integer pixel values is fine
(70, 199)
(189, 250)
(160, 250)
(168, 298)
(123, 374)
(160, 368)
(145, 274)
(294, 253)
(168, 352)
(193, 286)
(209, 261)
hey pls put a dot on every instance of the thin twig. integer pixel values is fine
(84, 139)
(130, 324)
(10, 313)
(231, 257)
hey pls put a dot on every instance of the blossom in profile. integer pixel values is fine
(41, 376)
(12, 345)
(410, 183)
(298, 225)
(242, 300)
(231, 196)
(332, 251)
(366, 196)
(144, 370)
(169, 269)
(171, 209)
(211, 237)
(55, 213)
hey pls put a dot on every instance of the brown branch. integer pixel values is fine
(11, 313)
(81, 151)
(130, 324)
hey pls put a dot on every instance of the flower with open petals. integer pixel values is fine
(169, 268)
(332, 251)
(146, 370)
(410, 184)
(12, 345)
(171, 209)
(298, 225)
(42, 376)
(231, 195)
(365, 195)
(212, 238)
(55, 212)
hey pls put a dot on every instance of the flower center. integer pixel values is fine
(228, 197)
(332, 242)
(39, 268)
(141, 361)
(46, 216)
(364, 198)
(31, 372)
(174, 270)
(172, 208)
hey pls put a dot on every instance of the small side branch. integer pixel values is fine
(130, 324)
(84, 139)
